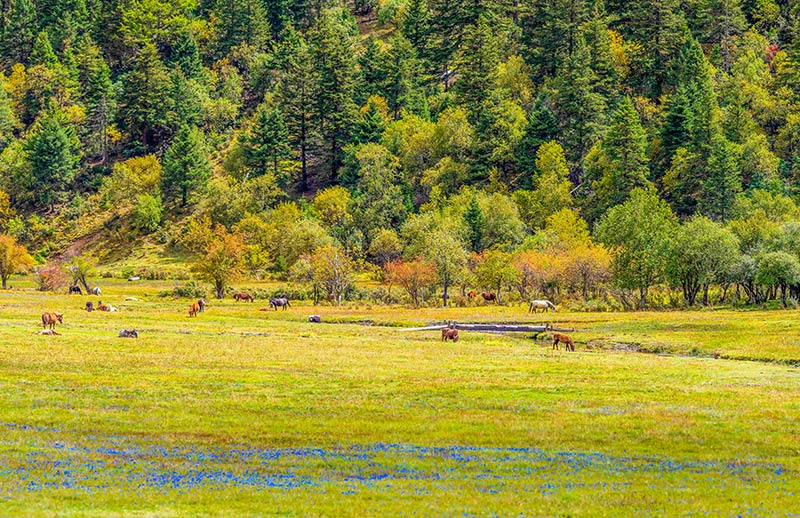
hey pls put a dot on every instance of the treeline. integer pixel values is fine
(390, 129)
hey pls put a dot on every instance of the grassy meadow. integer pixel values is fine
(250, 413)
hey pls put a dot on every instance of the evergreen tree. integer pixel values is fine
(19, 32)
(416, 25)
(53, 151)
(542, 127)
(186, 55)
(477, 67)
(659, 27)
(580, 107)
(721, 21)
(625, 152)
(402, 73)
(372, 121)
(373, 74)
(43, 51)
(334, 60)
(297, 85)
(724, 179)
(94, 75)
(267, 144)
(186, 165)
(475, 221)
(145, 99)
(551, 31)
(241, 21)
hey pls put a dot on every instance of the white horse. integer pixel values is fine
(536, 305)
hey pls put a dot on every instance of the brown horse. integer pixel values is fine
(243, 297)
(102, 307)
(472, 294)
(569, 344)
(49, 320)
(193, 309)
(489, 297)
(449, 333)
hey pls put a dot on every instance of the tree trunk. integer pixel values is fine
(643, 298)
(705, 294)
(220, 288)
(5, 279)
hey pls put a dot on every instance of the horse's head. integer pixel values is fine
(60, 318)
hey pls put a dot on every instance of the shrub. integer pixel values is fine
(146, 215)
(50, 277)
(190, 290)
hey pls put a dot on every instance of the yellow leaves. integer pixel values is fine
(14, 258)
(332, 204)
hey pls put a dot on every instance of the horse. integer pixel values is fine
(489, 297)
(96, 290)
(282, 302)
(125, 333)
(201, 303)
(193, 309)
(448, 333)
(75, 289)
(541, 304)
(569, 344)
(243, 297)
(472, 294)
(49, 320)
(102, 307)
(315, 319)
(89, 307)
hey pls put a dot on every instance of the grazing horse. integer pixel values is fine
(89, 306)
(448, 333)
(193, 309)
(75, 289)
(49, 320)
(472, 294)
(282, 302)
(243, 297)
(489, 297)
(125, 333)
(201, 304)
(536, 305)
(96, 291)
(569, 344)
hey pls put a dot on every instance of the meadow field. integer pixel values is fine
(241, 412)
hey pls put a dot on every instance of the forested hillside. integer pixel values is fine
(547, 145)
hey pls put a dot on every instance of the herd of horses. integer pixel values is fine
(50, 319)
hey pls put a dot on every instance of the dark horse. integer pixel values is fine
(201, 304)
(282, 302)
(75, 289)
(243, 297)
(489, 297)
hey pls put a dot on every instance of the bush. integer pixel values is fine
(50, 277)
(146, 215)
(190, 290)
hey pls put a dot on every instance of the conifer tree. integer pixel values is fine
(19, 32)
(475, 220)
(267, 144)
(724, 179)
(145, 98)
(53, 151)
(334, 60)
(42, 53)
(550, 32)
(186, 165)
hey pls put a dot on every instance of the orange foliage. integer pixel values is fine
(414, 276)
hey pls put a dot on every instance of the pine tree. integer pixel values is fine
(186, 55)
(724, 179)
(186, 165)
(19, 32)
(372, 69)
(550, 31)
(659, 26)
(542, 127)
(625, 150)
(145, 99)
(416, 25)
(267, 144)
(53, 151)
(475, 221)
(580, 107)
(721, 21)
(402, 73)
(43, 51)
(298, 82)
(94, 76)
(477, 67)
(241, 21)
(334, 60)
(372, 121)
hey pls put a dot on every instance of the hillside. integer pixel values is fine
(132, 129)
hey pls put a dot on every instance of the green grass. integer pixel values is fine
(244, 412)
